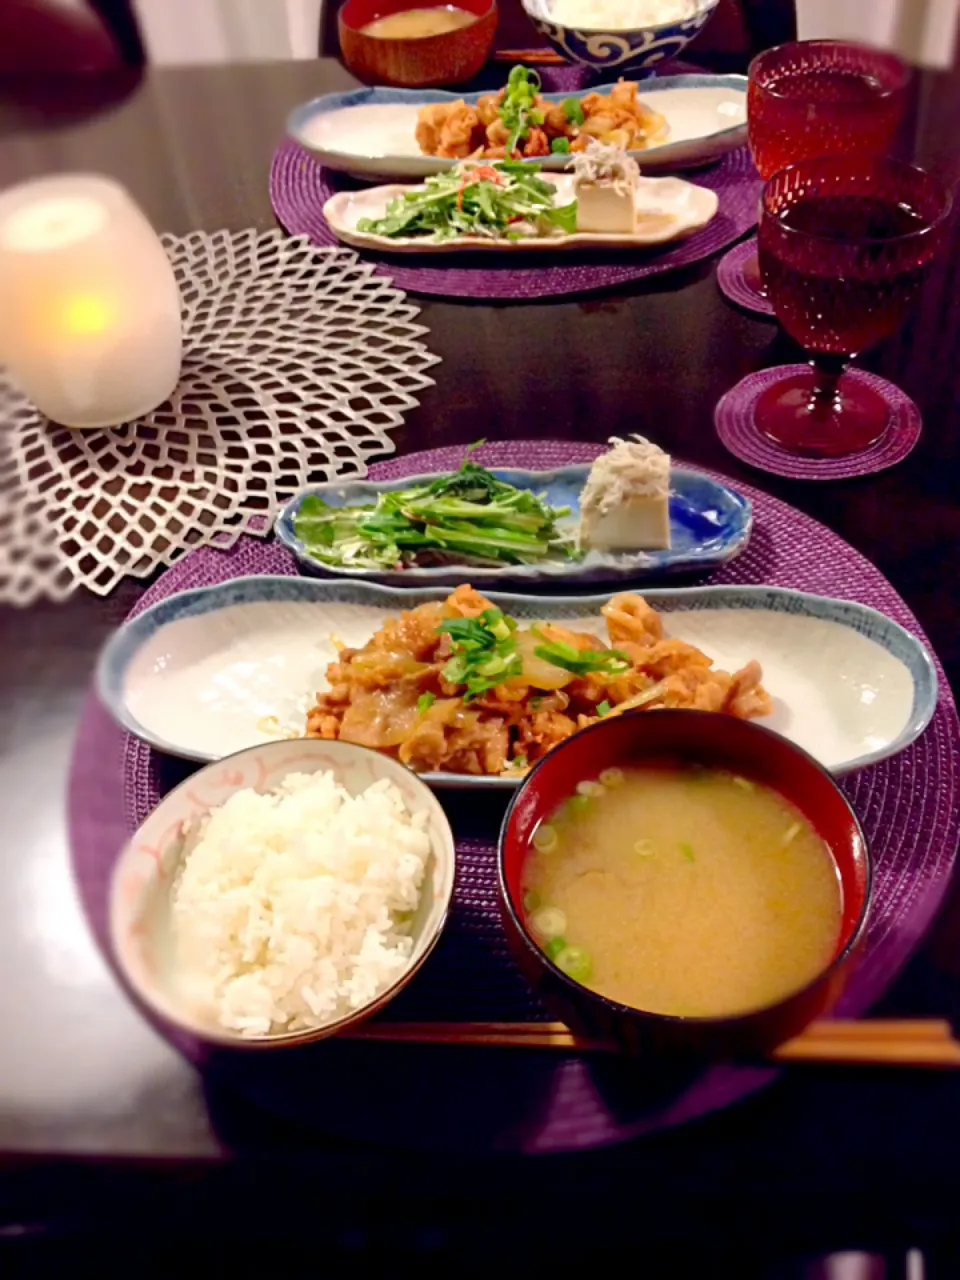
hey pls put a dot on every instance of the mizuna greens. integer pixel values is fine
(468, 516)
(506, 199)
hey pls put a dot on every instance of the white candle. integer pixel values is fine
(89, 307)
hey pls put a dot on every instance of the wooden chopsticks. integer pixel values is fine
(904, 1042)
(532, 57)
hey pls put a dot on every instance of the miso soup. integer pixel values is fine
(415, 24)
(683, 890)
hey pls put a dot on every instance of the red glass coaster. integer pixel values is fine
(736, 426)
(738, 276)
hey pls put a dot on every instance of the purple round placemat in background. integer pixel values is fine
(733, 282)
(573, 77)
(522, 1100)
(300, 185)
(737, 430)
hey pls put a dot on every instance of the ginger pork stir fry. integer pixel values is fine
(517, 122)
(458, 685)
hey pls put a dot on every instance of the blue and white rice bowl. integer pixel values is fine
(619, 51)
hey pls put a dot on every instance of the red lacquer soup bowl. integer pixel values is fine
(716, 741)
(449, 58)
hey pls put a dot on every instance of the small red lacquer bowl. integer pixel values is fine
(712, 740)
(450, 58)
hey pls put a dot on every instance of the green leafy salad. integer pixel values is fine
(503, 200)
(467, 517)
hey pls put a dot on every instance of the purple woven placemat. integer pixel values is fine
(571, 77)
(521, 1100)
(733, 419)
(300, 185)
(735, 285)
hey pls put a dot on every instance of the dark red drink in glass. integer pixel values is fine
(821, 97)
(845, 244)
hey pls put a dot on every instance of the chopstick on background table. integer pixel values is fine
(532, 57)
(903, 1042)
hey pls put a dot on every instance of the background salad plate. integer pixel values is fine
(670, 208)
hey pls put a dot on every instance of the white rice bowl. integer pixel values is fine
(283, 894)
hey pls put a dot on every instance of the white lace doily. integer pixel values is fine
(298, 362)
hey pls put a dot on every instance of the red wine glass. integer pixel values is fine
(817, 98)
(845, 244)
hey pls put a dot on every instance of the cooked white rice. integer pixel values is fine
(621, 15)
(293, 907)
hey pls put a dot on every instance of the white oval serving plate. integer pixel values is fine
(208, 672)
(670, 208)
(371, 133)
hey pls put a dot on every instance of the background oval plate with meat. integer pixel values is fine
(709, 525)
(205, 673)
(371, 133)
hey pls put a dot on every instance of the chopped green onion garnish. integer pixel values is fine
(644, 848)
(484, 651)
(580, 661)
(612, 777)
(743, 783)
(687, 850)
(425, 702)
(560, 147)
(592, 790)
(578, 803)
(791, 834)
(531, 900)
(545, 838)
(604, 708)
(516, 109)
(575, 963)
(573, 110)
(555, 946)
(548, 922)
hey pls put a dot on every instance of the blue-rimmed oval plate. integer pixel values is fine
(205, 673)
(371, 133)
(709, 525)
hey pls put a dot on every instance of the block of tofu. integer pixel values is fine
(625, 504)
(606, 207)
(605, 183)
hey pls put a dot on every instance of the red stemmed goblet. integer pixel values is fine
(822, 97)
(845, 244)
(817, 98)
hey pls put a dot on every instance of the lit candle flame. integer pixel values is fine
(86, 313)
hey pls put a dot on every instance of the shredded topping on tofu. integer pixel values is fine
(604, 163)
(633, 468)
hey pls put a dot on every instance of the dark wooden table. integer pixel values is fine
(824, 1156)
